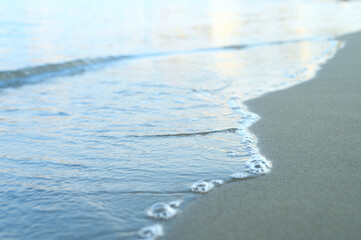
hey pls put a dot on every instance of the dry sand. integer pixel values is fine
(312, 134)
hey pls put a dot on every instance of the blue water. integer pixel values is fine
(109, 107)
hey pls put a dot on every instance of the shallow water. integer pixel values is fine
(107, 108)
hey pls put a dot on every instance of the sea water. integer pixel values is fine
(116, 114)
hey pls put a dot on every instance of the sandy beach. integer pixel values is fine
(311, 133)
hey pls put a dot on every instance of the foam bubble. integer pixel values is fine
(151, 232)
(246, 136)
(217, 182)
(202, 186)
(239, 175)
(249, 149)
(162, 210)
(247, 141)
(176, 203)
(258, 165)
(247, 119)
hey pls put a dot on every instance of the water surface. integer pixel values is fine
(107, 107)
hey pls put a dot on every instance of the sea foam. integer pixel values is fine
(151, 232)
(258, 165)
(239, 175)
(163, 211)
(202, 186)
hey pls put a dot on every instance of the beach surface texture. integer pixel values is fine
(312, 135)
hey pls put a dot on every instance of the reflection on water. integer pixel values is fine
(38, 32)
(87, 151)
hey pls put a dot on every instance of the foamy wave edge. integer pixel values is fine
(256, 164)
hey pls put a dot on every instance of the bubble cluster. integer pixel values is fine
(175, 204)
(247, 141)
(248, 119)
(217, 182)
(239, 175)
(163, 211)
(159, 211)
(247, 138)
(151, 232)
(246, 151)
(258, 165)
(202, 186)
(249, 149)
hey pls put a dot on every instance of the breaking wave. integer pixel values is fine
(36, 74)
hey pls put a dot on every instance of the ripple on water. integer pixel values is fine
(235, 154)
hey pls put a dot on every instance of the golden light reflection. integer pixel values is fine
(224, 24)
(228, 65)
(305, 51)
(40, 38)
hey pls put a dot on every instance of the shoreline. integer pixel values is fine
(311, 133)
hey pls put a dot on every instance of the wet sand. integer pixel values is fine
(312, 135)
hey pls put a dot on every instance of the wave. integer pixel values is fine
(231, 130)
(19, 77)
(36, 74)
